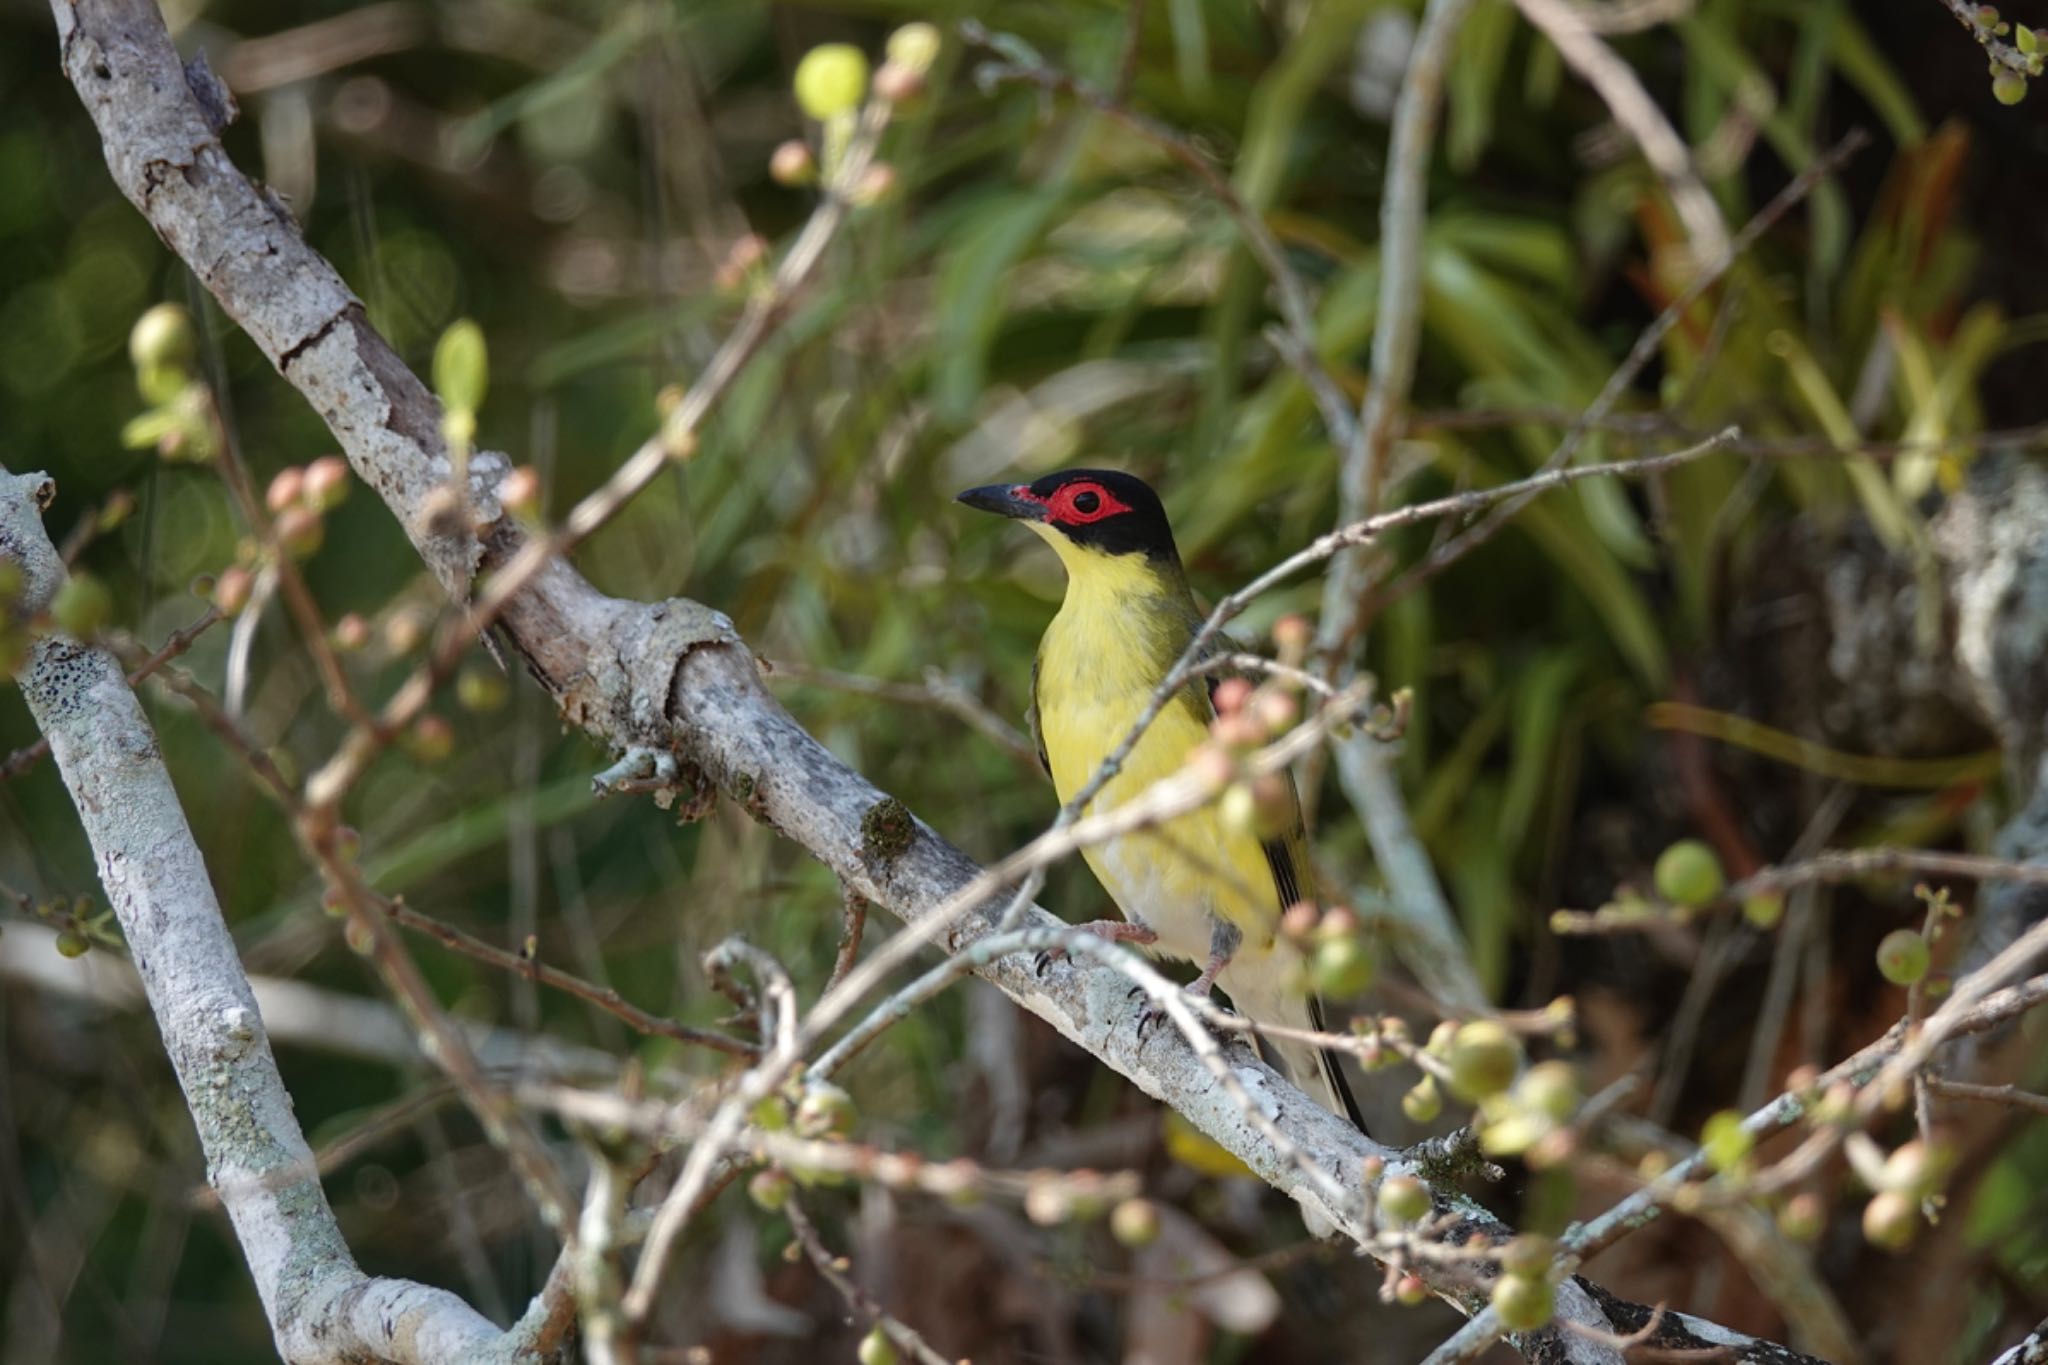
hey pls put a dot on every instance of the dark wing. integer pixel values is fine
(1031, 719)
(1332, 1068)
(1293, 881)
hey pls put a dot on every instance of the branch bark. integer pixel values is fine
(294, 1013)
(670, 677)
(322, 1309)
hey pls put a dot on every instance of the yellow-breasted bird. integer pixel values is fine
(1195, 887)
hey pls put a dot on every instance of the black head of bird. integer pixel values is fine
(1103, 510)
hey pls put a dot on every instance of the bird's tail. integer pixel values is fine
(1267, 991)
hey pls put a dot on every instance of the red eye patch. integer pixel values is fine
(1077, 504)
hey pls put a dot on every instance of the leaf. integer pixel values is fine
(1541, 696)
(973, 283)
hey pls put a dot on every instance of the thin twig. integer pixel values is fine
(1565, 24)
(1162, 801)
(676, 440)
(606, 998)
(1661, 424)
(1970, 15)
(1033, 858)
(1779, 986)
(665, 1123)
(854, 908)
(440, 1040)
(936, 690)
(1397, 326)
(1639, 355)
(1991, 1094)
(1292, 296)
(1585, 1240)
(832, 1269)
(282, 568)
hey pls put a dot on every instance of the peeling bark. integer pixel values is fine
(670, 676)
(322, 1309)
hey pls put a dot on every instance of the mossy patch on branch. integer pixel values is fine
(885, 831)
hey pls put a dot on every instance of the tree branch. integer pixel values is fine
(670, 677)
(322, 1309)
(1569, 30)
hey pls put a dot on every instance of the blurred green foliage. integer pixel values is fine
(1044, 288)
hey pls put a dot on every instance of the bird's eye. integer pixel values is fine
(1087, 502)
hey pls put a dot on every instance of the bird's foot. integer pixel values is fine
(1115, 930)
(1200, 993)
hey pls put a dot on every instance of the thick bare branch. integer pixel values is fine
(323, 1310)
(669, 677)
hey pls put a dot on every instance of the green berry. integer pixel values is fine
(1550, 1089)
(770, 1189)
(1440, 1039)
(1484, 1059)
(830, 81)
(1902, 957)
(327, 483)
(1764, 909)
(824, 1110)
(232, 590)
(1917, 1169)
(1689, 874)
(71, 943)
(877, 1349)
(480, 689)
(1890, 1220)
(916, 46)
(1803, 1218)
(1424, 1101)
(1342, 967)
(1404, 1199)
(1725, 1140)
(300, 532)
(81, 606)
(1529, 1255)
(431, 739)
(1524, 1304)
(162, 339)
(1135, 1223)
(2008, 87)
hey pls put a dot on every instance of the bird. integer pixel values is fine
(1197, 887)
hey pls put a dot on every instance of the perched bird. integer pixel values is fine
(1194, 887)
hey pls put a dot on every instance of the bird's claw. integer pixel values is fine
(1152, 1014)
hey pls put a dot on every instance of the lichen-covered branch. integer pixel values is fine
(322, 1309)
(670, 677)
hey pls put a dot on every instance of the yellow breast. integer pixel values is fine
(1098, 664)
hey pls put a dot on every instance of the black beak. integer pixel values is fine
(1005, 500)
